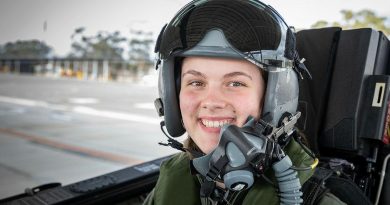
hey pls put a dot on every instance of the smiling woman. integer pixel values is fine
(214, 57)
(220, 62)
(208, 97)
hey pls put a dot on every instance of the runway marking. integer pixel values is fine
(82, 110)
(83, 100)
(73, 148)
(146, 106)
(25, 102)
(115, 115)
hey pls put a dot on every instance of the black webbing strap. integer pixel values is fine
(347, 191)
(216, 168)
(325, 180)
(314, 188)
(210, 191)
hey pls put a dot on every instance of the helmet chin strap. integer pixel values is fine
(299, 66)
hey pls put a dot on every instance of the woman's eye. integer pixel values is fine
(236, 84)
(196, 83)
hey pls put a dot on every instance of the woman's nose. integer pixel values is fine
(214, 99)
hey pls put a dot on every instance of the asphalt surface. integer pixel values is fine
(67, 130)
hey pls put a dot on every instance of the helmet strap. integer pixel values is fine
(299, 66)
(176, 144)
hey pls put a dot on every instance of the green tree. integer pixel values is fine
(104, 45)
(140, 46)
(26, 49)
(361, 19)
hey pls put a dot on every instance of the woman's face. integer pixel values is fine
(216, 91)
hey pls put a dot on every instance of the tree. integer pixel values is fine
(26, 49)
(361, 19)
(140, 47)
(104, 45)
(20, 54)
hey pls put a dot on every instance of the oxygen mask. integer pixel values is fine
(246, 152)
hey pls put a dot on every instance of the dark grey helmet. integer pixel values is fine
(245, 29)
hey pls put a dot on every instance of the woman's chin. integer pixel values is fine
(210, 147)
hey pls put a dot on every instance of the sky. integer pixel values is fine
(25, 19)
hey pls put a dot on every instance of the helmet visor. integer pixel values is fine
(253, 30)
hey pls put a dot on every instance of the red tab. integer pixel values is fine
(386, 134)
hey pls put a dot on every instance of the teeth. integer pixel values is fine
(215, 124)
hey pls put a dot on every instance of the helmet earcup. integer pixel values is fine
(281, 95)
(169, 95)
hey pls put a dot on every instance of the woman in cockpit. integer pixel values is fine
(228, 77)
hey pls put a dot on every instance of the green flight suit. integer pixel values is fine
(176, 185)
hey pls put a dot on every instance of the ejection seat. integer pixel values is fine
(344, 106)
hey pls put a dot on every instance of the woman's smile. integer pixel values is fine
(215, 92)
(214, 125)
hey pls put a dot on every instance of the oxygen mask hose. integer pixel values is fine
(288, 182)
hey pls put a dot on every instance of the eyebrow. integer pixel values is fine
(229, 75)
(193, 72)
